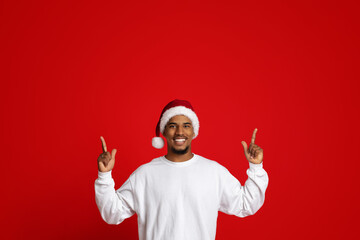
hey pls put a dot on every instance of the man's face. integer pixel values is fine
(179, 133)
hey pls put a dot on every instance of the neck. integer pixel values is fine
(179, 157)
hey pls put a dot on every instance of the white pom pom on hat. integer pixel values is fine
(158, 142)
(174, 108)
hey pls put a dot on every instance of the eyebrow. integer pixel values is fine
(176, 123)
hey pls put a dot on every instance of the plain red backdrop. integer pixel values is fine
(72, 71)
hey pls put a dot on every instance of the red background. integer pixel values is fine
(72, 71)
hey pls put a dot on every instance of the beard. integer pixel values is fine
(180, 152)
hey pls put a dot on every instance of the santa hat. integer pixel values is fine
(174, 108)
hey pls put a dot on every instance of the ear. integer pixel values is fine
(164, 133)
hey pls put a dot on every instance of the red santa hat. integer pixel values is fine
(174, 108)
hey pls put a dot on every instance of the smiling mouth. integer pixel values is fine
(179, 141)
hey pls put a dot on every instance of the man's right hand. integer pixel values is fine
(106, 161)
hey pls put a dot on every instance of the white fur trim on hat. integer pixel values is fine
(180, 110)
(157, 142)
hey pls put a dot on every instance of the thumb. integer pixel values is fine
(245, 147)
(113, 152)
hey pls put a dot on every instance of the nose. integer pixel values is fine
(179, 130)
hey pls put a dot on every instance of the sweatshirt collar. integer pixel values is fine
(180, 164)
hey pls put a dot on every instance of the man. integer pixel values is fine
(178, 196)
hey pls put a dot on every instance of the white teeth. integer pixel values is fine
(179, 140)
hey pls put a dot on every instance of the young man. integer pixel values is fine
(178, 196)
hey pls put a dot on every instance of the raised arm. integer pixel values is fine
(114, 206)
(246, 200)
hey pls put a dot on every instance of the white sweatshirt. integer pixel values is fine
(180, 200)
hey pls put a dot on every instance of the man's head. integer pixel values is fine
(179, 133)
(178, 112)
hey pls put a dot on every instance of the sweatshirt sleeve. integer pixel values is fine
(244, 200)
(114, 206)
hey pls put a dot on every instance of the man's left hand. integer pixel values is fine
(254, 153)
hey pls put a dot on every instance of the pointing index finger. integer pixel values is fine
(103, 144)
(254, 136)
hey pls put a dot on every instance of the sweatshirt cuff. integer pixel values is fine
(255, 166)
(104, 175)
